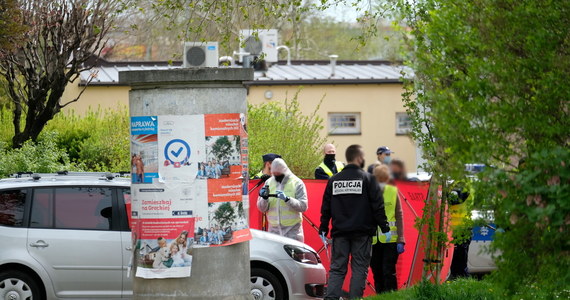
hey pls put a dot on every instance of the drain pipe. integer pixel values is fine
(333, 59)
(288, 53)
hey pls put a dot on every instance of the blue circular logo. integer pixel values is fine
(177, 150)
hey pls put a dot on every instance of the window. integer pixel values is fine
(42, 209)
(12, 207)
(403, 124)
(72, 208)
(127, 201)
(344, 123)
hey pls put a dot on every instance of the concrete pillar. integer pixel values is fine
(217, 272)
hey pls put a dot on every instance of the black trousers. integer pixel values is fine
(459, 262)
(383, 266)
(358, 249)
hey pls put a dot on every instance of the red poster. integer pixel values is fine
(224, 190)
(222, 124)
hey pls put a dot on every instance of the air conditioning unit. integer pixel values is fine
(200, 54)
(258, 42)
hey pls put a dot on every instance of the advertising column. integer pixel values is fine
(189, 162)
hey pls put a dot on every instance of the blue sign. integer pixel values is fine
(177, 151)
(144, 125)
(484, 233)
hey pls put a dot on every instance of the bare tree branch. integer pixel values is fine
(60, 37)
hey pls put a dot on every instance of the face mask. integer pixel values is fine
(398, 176)
(329, 158)
(387, 159)
(362, 164)
(382, 185)
(279, 178)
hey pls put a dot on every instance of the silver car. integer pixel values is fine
(61, 235)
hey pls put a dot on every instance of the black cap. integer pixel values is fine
(269, 157)
(383, 150)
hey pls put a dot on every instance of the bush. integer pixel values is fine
(41, 157)
(285, 130)
(98, 141)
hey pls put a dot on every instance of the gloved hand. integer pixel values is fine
(264, 192)
(388, 236)
(323, 236)
(400, 247)
(282, 196)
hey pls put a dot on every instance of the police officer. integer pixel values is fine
(267, 160)
(330, 165)
(384, 157)
(287, 202)
(460, 199)
(354, 202)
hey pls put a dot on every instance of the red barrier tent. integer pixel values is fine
(412, 196)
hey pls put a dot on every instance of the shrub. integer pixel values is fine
(41, 157)
(285, 130)
(98, 141)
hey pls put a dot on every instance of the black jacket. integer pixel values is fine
(320, 173)
(354, 202)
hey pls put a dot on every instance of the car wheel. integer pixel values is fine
(265, 285)
(16, 285)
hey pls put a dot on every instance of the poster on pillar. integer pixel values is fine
(164, 221)
(223, 169)
(188, 187)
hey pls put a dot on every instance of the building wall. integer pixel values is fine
(377, 104)
(94, 97)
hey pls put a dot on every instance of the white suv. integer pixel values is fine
(61, 236)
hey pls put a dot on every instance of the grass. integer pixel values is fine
(463, 289)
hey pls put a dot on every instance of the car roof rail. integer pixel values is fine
(103, 175)
(19, 174)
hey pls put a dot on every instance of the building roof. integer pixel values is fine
(298, 72)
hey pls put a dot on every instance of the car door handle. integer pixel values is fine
(39, 244)
(129, 249)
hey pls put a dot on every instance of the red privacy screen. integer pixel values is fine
(412, 196)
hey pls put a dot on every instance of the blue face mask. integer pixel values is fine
(387, 159)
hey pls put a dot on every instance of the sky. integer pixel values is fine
(345, 12)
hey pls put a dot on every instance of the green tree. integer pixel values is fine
(222, 148)
(286, 130)
(491, 86)
(225, 214)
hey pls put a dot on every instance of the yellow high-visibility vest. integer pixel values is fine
(390, 199)
(280, 214)
(258, 175)
(338, 164)
(459, 212)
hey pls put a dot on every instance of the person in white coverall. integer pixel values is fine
(287, 202)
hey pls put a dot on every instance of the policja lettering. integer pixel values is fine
(342, 187)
